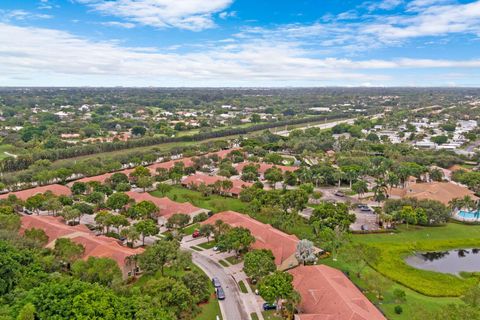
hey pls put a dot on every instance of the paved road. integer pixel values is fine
(327, 125)
(232, 307)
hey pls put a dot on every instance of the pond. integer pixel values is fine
(453, 261)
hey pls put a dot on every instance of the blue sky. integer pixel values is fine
(239, 43)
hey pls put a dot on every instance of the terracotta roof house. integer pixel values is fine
(100, 178)
(187, 162)
(443, 192)
(167, 207)
(199, 178)
(95, 246)
(56, 189)
(262, 167)
(327, 294)
(282, 245)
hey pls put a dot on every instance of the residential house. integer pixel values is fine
(282, 245)
(95, 246)
(327, 294)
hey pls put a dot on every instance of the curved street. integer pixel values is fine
(232, 307)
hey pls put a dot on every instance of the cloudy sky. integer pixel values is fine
(239, 43)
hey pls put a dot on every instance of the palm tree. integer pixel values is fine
(468, 203)
(339, 176)
(132, 261)
(318, 178)
(379, 190)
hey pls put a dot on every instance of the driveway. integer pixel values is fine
(232, 307)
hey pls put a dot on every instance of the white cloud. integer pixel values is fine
(226, 14)
(192, 15)
(126, 25)
(431, 21)
(384, 4)
(19, 15)
(50, 57)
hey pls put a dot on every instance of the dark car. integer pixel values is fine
(340, 194)
(216, 283)
(269, 306)
(220, 293)
(365, 209)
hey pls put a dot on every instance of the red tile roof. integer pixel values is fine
(327, 294)
(187, 162)
(200, 178)
(101, 178)
(282, 245)
(57, 190)
(167, 207)
(262, 167)
(95, 246)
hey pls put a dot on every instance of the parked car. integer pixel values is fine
(216, 283)
(340, 193)
(29, 212)
(269, 306)
(196, 234)
(220, 293)
(366, 209)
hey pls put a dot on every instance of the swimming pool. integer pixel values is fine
(469, 215)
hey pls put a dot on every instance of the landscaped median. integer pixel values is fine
(435, 284)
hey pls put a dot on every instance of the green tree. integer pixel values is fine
(146, 228)
(206, 230)
(259, 263)
(276, 286)
(103, 271)
(27, 312)
(37, 235)
(117, 201)
(144, 182)
(273, 175)
(158, 255)
(79, 188)
(197, 283)
(178, 221)
(238, 239)
(67, 250)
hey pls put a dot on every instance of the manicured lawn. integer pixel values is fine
(207, 245)
(196, 248)
(243, 287)
(211, 309)
(270, 315)
(424, 289)
(224, 263)
(395, 247)
(190, 229)
(234, 260)
(214, 203)
(253, 316)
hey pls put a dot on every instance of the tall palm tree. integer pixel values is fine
(379, 190)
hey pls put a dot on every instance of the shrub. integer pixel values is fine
(398, 309)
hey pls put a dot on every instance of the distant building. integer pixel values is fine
(443, 192)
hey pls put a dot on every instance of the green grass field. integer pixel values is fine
(424, 289)
(214, 203)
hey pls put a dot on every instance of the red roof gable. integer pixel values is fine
(281, 244)
(327, 294)
(95, 246)
(167, 207)
(199, 178)
(56, 189)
